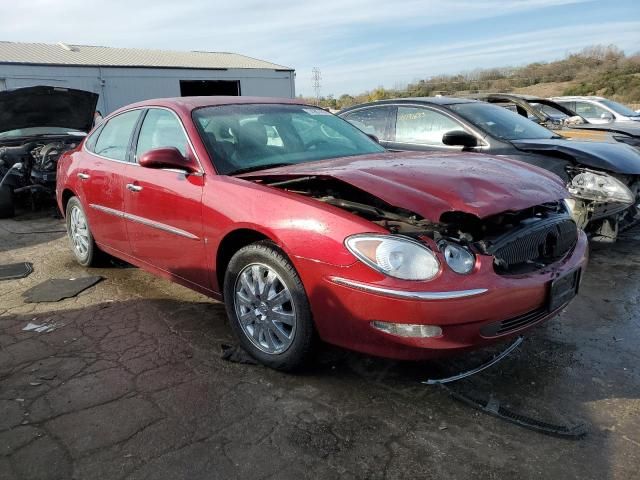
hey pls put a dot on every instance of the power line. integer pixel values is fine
(316, 77)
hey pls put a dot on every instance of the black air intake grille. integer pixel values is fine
(538, 240)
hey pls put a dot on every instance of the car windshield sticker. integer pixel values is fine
(316, 111)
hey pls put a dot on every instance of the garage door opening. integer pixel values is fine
(198, 88)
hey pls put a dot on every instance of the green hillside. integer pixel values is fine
(596, 70)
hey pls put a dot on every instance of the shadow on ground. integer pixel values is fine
(130, 384)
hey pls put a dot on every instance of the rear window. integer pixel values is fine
(114, 137)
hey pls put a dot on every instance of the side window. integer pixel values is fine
(423, 126)
(90, 142)
(113, 139)
(373, 120)
(589, 110)
(161, 128)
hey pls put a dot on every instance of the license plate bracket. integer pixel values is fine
(563, 289)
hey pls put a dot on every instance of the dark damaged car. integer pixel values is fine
(37, 125)
(603, 178)
(307, 228)
(564, 121)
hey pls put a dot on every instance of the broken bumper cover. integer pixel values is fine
(471, 310)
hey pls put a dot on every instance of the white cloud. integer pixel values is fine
(517, 49)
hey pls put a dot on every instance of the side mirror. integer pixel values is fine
(607, 116)
(167, 157)
(373, 137)
(459, 138)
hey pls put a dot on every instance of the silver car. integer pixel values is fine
(599, 110)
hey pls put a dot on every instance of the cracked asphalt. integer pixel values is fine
(130, 385)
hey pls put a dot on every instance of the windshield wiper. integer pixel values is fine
(258, 167)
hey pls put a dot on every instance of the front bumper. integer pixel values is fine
(471, 309)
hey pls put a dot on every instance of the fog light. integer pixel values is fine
(408, 330)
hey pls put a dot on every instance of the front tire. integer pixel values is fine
(82, 243)
(268, 307)
(7, 208)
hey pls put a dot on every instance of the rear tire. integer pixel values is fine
(83, 245)
(7, 207)
(268, 307)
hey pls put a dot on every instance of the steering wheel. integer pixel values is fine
(316, 143)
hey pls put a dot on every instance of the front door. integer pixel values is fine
(164, 207)
(102, 180)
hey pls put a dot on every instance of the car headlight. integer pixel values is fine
(459, 259)
(395, 256)
(590, 185)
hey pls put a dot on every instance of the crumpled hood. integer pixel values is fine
(431, 184)
(47, 107)
(613, 157)
(629, 128)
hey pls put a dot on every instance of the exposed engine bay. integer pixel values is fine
(519, 241)
(38, 160)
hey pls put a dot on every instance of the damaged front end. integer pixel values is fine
(519, 241)
(601, 203)
(33, 163)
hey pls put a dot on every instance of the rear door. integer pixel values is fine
(373, 121)
(102, 178)
(422, 128)
(164, 207)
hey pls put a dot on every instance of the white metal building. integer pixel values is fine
(125, 75)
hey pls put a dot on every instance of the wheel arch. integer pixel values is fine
(67, 194)
(230, 244)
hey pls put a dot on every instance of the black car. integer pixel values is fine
(566, 122)
(38, 124)
(603, 178)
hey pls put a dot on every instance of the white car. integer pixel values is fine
(599, 109)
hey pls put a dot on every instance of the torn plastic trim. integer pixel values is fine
(505, 353)
(492, 407)
(407, 294)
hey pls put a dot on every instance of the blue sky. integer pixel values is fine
(358, 45)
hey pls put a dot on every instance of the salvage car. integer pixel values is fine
(305, 227)
(599, 109)
(603, 178)
(37, 125)
(564, 121)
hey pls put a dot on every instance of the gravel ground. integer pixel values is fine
(130, 384)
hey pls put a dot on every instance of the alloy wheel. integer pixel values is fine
(79, 232)
(264, 307)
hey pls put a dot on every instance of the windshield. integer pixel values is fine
(32, 131)
(619, 108)
(241, 138)
(500, 122)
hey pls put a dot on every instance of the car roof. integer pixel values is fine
(577, 97)
(519, 96)
(414, 100)
(188, 104)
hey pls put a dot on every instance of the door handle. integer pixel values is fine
(133, 188)
(83, 176)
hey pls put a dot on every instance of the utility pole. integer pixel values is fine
(315, 81)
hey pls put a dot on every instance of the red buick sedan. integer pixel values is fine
(307, 228)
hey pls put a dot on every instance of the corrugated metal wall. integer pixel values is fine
(120, 86)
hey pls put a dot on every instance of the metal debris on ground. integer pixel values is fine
(478, 369)
(44, 327)
(56, 289)
(14, 271)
